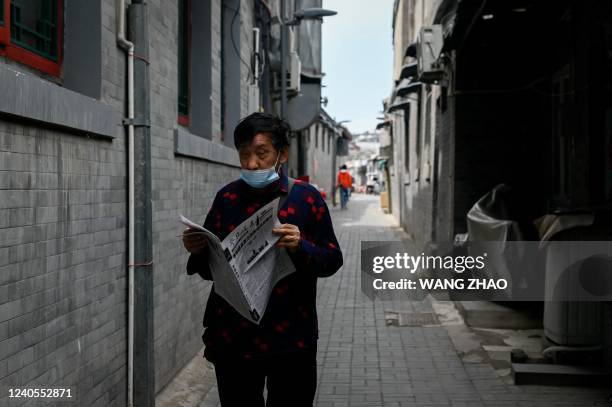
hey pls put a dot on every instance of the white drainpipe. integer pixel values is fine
(128, 47)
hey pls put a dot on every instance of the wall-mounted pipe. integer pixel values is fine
(128, 47)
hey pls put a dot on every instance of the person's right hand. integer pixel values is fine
(194, 243)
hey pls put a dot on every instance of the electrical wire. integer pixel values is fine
(472, 23)
(236, 50)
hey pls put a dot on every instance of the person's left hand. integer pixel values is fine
(290, 236)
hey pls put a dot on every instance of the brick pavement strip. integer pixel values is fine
(364, 362)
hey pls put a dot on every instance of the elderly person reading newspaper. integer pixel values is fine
(282, 347)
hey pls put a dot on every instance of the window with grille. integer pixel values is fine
(183, 61)
(2, 13)
(31, 33)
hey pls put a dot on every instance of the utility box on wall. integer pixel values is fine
(429, 48)
(253, 98)
(295, 69)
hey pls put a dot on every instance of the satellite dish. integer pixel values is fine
(304, 109)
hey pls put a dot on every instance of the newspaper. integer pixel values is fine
(246, 265)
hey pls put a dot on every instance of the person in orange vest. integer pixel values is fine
(345, 182)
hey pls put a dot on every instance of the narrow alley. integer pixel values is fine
(124, 125)
(364, 362)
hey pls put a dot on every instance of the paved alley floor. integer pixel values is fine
(364, 362)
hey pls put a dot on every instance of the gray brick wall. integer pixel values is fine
(412, 189)
(63, 294)
(397, 172)
(444, 228)
(216, 68)
(320, 158)
(420, 218)
(247, 22)
(62, 274)
(62, 252)
(180, 185)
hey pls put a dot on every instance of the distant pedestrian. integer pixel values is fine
(280, 351)
(345, 183)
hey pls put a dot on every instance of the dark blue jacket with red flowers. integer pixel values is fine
(290, 321)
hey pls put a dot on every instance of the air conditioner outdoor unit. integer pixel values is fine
(429, 48)
(294, 68)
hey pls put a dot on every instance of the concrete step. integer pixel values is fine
(486, 314)
(560, 375)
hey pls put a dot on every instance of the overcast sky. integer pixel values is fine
(357, 60)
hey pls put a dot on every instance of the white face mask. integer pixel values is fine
(260, 178)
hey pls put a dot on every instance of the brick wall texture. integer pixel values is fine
(63, 215)
(319, 155)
